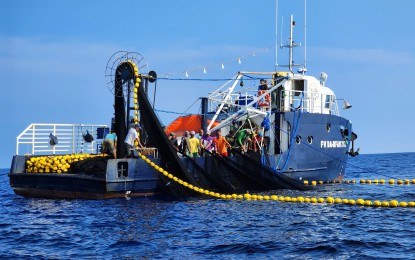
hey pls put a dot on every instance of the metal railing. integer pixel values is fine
(234, 102)
(310, 102)
(70, 139)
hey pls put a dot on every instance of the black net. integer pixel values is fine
(232, 177)
(120, 125)
(170, 160)
(96, 166)
(251, 163)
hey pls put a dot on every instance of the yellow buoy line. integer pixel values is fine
(381, 181)
(137, 81)
(299, 199)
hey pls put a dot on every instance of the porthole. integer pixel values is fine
(298, 139)
(328, 126)
(310, 139)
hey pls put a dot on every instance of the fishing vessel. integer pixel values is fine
(294, 135)
(303, 135)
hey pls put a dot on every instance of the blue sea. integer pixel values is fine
(145, 228)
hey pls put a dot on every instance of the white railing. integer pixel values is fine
(235, 101)
(310, 102)
(35, 139)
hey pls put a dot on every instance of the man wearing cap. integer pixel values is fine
(207, 142)
(194, 145)
(109, 145)
(130, 139)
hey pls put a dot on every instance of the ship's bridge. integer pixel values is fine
(305, 93)
(287, 92)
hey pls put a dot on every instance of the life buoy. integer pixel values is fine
(266, 100)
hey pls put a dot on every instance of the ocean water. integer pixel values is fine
(145, 228)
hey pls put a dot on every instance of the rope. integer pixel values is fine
(255, 77)
(171, 112)
(198, 79)
(293, 135)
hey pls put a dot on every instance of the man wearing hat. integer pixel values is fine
(207, 141)
(194, 145)
(130, 139)
(109, 145)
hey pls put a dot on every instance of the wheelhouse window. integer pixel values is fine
(298, 86)
(328, 101)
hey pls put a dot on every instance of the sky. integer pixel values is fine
(53, 58)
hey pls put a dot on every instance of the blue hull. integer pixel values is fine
(322, 152)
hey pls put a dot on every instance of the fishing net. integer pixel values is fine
(170, 160)
(96, 166)
(252, 165)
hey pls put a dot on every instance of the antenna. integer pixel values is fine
(276, 35)
(305, 34)
(290, 65)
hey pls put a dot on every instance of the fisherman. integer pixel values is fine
(173, 141)
(207, 142)
(131, 138)
(183, 146)
(258, 141)
(262, 88)
(243, 137)
(109, 145)
(263, 85)
(222, 144)
(200, 135)
(231, 140)
(194, 145)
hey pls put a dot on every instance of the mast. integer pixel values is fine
(276, 34)
(305, 34)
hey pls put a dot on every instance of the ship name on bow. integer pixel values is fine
(332, 144)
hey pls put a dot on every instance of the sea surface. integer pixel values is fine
(145, 228)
